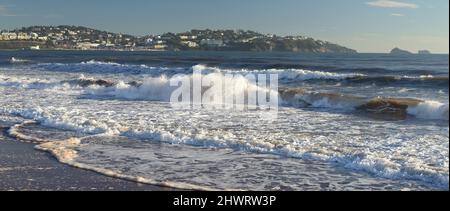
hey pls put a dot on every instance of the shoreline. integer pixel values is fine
(23, 168)
(231, 51)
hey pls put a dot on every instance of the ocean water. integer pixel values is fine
(344, 122)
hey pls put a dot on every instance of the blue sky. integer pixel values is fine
(365, 25)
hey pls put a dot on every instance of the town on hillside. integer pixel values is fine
(83, 38)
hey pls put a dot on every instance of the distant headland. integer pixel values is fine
(83, 38)
(398, 51)
(424, 52)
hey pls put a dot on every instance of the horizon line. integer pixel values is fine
(216, 29)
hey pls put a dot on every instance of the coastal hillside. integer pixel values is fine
(83, 38)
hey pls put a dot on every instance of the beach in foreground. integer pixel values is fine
(23, 168)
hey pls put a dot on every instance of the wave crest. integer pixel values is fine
(379, 107)
(160, 88)
(284, 74)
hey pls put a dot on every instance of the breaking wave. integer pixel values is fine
(382, 107)
(112, 67)
(26, 82)
(161, 89)
(94, 66)
(14, 60)
(430, 80)
(284, 74)
(430, 110)
(318, 122)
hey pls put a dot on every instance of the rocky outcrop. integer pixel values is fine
(398, 51)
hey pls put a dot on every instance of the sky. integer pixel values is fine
(364, 25)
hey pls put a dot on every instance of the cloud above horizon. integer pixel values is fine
(397, 15)
(392, 4)
(4, 12)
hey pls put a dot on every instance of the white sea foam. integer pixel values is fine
(284, 74)
(52, 119)
(94, 66)
(426, 76)
(47, 84)
(26, 82)
(324, 100)
(102, 63)
(151, 89)
(14, 132)
(404, 90)
(160, 89)
(423, 110)
(213, 130)
(112, 67)
(14, 60)
(385, 149)
(393, 166)
(430, 110)
(187, 167)
(372, 162)
(66, 152)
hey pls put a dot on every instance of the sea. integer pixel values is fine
(343, 122)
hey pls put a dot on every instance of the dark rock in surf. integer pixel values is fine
(392, 108)
(90, 82)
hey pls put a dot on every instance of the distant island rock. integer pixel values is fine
(424, 52)
(398, 51)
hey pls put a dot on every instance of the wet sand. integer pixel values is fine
(23, 168)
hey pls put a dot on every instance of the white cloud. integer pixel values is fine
(5, 12)
(392, 4)
(397, 15)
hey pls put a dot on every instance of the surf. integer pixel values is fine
(69, 149)
(14, 60)
(160, 89)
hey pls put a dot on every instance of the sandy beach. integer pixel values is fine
(23, 168)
